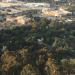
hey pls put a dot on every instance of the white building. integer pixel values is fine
(60, 0)
(35, 5)
(9, 0)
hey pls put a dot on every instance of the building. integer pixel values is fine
(19, 20)
(9, 0)
(35, 5)
(55, 13)
(60, 0)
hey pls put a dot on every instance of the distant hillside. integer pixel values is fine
(48, 0)
(37, 0)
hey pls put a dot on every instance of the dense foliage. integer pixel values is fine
(36, 50)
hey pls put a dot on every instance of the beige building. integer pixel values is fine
(19, 20)
(57, 13)
(48, 12)
(10, 18)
